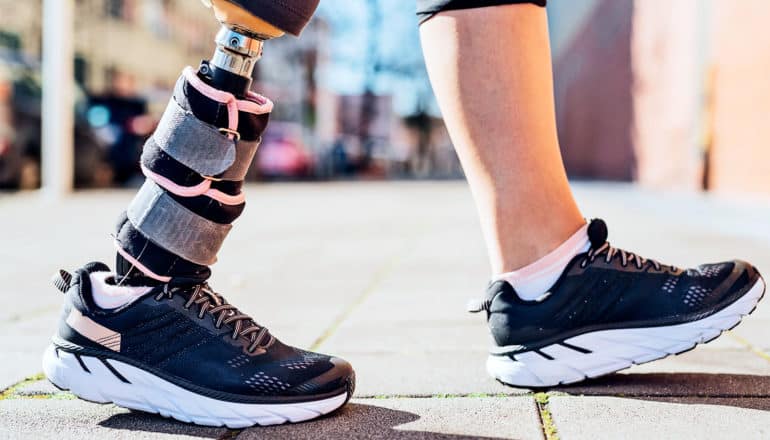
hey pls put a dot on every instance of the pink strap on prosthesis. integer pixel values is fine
(201, 189)
(256, 104)
(140, 266)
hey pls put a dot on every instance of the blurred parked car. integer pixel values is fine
(282, 153)
(20, 157)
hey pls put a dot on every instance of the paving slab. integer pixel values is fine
(406, 419)
(75, 419)
(595, 418)
(34, 245)
(705, 360)
(424, 374)
(22, 343)
(379, 273)
(504, 418)
(762, 403)
(755, 331)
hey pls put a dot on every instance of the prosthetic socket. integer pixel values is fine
(194, 165)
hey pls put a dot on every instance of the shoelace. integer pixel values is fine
(213, 303)
(625, 256)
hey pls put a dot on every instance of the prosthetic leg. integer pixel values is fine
(154, 336)
(197, 159)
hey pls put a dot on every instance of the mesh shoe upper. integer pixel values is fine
(608, 288)
(193, 338)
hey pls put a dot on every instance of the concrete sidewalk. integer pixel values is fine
(379, 274)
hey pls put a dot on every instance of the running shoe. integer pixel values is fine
(611, 309)
(182, 351)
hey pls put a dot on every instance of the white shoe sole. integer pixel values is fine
(603, 352)
(147, 392)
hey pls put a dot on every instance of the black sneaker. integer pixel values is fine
(611, 309)
(182, 351)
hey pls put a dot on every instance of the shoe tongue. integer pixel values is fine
(597, 233)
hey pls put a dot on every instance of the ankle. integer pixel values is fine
(532, 281)
(535, 244)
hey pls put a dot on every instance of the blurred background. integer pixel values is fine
(670, 94)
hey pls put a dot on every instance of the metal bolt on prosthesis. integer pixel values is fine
(236, 53)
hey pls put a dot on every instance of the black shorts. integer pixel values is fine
(292, 15)
(428, 8)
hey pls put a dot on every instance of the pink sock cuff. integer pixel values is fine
(567, 250)
(108, 296)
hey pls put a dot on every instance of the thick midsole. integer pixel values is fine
(79, 351)
(602, 352)
(506, 350)
(108, 380)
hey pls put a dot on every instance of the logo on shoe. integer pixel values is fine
(93, 330)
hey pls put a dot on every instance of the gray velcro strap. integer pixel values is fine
(244, 155)
(194, 143)
(175, 228)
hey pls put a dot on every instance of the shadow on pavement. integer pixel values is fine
(740, 390)
(355, 420)
(141, 421)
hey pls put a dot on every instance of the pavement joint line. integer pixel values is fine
(65, 395)
(11, 390)
(546, 418)
(375, 282)
(443, 396)
(750, 346)
(664, 396)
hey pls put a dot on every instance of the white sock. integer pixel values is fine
(533, 281)
(110, 296)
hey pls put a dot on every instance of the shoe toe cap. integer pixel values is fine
(339, 378)
(738, 281)
(745, 274)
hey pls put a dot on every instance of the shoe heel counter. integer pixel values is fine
(502, 325)
(64, 331)
(73, 309)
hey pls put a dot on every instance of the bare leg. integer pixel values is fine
(491, 72)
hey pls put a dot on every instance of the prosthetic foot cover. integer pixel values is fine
(195, 164)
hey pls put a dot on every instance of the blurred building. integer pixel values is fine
(126, 44)
(673, 94)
